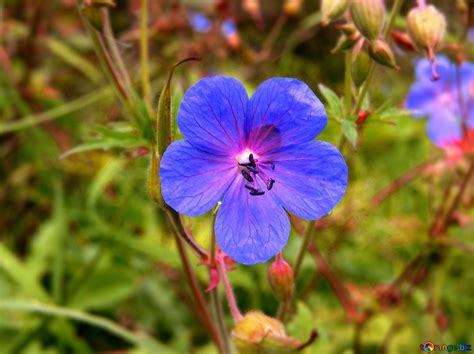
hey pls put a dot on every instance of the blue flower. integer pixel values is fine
(200, 22)
(257, 156)
(441, 100)
(229, 28)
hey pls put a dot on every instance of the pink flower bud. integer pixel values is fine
(281, 279)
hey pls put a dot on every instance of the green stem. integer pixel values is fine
(58, 269)
(299, 261)
(303, 248)
(365, 87)
(347, 82)
(393, 17)
(140, 340)
(144, 54)
(112, 44)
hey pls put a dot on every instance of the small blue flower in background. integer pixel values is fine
(255, 155)
(440, 100)
(200, 22)
(229, 28)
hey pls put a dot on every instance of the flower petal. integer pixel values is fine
(281, 113)
(310, 180)
(250, 229)
(193, 181)
(444, 68)
(211, 115)
(444, 129)
(422, 98)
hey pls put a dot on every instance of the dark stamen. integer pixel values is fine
(252, 161)
(247, 176)
(257, 193)
(270, 184)
(250, 188)
(251, 169)
(273, 166)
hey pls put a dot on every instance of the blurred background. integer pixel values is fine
(80, 237)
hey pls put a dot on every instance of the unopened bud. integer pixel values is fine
(360, 68)
(281, 279)
(292, 7)
(381, 52)
(258, 333)
(427, 28)
(332, 9)
(368, 16)
(153, 185)
(403, 41)
(348, 29)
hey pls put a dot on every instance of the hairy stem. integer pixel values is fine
(234, 309)
(401, 181)
(177, 223)
(216, 302)
(197, 293)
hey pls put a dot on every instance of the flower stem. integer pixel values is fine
(144, 54)
(304, 247)
(180, 230)
(347, 82)
(457, 200)
(112, 44)
(234, 309)
(365, 87)
(198, 295)
(216, 302)
(297, 268)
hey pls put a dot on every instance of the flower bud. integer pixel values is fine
(403, 41)
(331, 10)
(368, 16)
(153, 185)
(381, 52)
(427, 28)
(360, 68)
(280, 277)
(258, 333)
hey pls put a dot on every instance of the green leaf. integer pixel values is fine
(21, 274)
(123, 137)
(334, 109)
(139, 339)
(350, 131)
(302, 322)
(104, 289)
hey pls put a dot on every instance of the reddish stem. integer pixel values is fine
(234, 309)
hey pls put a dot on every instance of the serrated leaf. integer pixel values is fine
(350, 131)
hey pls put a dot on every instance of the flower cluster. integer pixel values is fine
(448, 102)
(257, 156)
